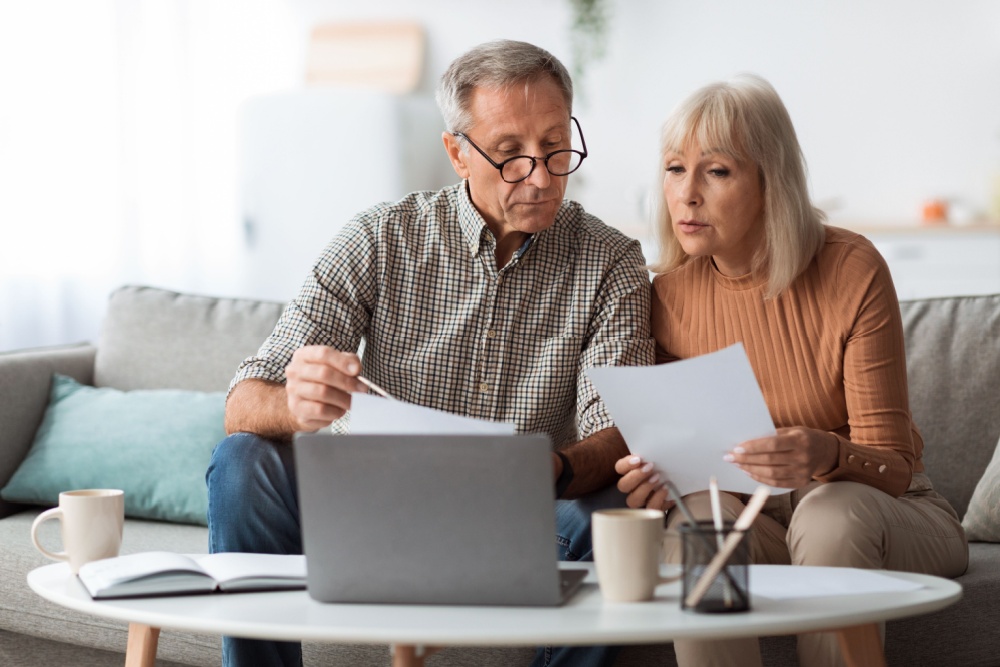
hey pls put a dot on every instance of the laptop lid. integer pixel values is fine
(416, 519)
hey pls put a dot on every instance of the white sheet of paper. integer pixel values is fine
(684, 416)
(803, 581)
(374, 414)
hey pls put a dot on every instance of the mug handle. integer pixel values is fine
(671, 579)
(668, 580)
(54, 513)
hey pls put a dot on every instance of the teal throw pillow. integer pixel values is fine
(155, 444)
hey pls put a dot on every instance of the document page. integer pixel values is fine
(684, 416)
(778, 582)
(376, 415)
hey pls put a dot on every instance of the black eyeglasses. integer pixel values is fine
(516, 169)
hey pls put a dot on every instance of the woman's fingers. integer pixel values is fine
(635, 476)
(627, 463)
(790, 458)
(642, 483)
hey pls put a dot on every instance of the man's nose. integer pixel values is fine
(539, 176)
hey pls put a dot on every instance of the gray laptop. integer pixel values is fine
(413, 519)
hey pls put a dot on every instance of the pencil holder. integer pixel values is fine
(729, 589)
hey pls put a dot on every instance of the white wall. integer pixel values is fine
(895, 101)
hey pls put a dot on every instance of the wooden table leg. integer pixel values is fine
(141, 650)
(862, 646)
(411, 656)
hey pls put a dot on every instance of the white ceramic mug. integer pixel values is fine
(92, 521)
(628, 549)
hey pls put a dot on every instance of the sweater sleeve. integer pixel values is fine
(879, 449)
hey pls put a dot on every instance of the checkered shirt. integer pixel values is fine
(443, 327)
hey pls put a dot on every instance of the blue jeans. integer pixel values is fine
(575, 544)
(253, 507)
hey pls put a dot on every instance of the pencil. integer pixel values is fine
(374, 387)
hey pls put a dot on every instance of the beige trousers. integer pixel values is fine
(842, 524)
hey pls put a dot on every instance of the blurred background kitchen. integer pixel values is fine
(214, 146)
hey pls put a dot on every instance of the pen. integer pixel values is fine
(374, 387)
(713, 492)
(676, 495)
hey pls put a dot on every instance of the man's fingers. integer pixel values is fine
(327, 401)
(325, 366)
(326, 410)
(346, 362)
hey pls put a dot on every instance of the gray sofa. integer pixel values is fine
(153, 338)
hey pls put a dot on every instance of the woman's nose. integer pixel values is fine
(691, 193)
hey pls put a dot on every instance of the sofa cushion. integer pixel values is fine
(154, 339)
(982, 520)
(960, 634)
(953, 364)
(155, 444)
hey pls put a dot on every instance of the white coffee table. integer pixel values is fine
(586, 619)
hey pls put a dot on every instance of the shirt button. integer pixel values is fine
(881, 468)
(850, 459)
(491, 334)
(483, 387)
(867, 465)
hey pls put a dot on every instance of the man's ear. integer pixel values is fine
(455, 154)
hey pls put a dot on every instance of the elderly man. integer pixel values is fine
(489, 298)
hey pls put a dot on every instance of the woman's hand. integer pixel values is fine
(790, 459)
(643, 484)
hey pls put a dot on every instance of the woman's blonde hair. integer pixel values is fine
(745, 119)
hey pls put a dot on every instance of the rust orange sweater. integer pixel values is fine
(828, 352)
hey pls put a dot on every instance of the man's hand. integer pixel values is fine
(643, 484)
(790, 459)
(320, 381)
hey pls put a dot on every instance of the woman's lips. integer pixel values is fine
(690, 226)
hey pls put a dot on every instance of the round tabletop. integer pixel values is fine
(585, 619)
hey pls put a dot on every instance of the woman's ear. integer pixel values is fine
(453, 147)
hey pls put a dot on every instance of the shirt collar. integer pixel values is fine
(469, 220)
(473, 224)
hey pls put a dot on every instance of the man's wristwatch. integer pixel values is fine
(565, 477)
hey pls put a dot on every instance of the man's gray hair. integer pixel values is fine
(495, 65)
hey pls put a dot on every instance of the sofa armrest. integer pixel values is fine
(25, 380)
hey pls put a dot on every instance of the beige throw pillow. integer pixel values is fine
(982, 519)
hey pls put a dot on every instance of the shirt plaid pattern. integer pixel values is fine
(444, 328)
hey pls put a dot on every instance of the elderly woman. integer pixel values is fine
(745, 257)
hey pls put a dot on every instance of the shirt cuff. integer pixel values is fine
(879, 467)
